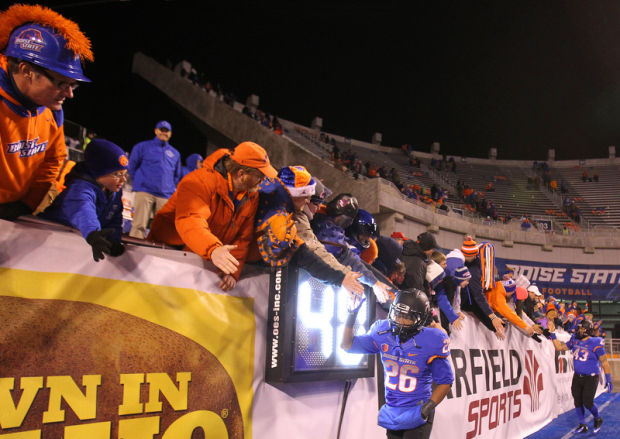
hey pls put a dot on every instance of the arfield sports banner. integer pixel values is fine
(570, 281)
(146, 346)
(504, 389)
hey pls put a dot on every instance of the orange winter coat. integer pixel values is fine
(201, 214)
(33, 146)
(497, 299)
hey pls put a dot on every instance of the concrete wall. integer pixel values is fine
(393, 211)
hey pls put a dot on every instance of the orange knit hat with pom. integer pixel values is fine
(470, 247)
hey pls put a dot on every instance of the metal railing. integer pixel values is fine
(612, 347)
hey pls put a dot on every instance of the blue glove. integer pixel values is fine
(609, 384)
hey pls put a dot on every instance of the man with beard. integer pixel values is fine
(212, 211)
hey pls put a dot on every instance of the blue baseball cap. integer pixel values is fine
(164, 124)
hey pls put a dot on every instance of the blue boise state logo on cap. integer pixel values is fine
(30, 39)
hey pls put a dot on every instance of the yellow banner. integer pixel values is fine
(88, 357)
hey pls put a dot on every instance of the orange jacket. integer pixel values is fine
(33, 146)
(497, 299)
(201, 214)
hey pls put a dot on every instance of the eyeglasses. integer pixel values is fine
(120, 175)
(62, 85)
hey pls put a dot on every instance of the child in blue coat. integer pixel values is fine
(92, 200)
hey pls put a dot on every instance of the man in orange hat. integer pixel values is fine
(40, 67)
(212, 211)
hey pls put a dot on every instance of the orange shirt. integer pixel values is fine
(33, 146)
(497, 299)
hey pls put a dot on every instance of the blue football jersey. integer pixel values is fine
(409, 368)
(586, 354)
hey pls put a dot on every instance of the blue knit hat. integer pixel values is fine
(103, 157)
(297, 180)
(462, 273)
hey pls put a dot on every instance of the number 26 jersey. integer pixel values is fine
(411, 367)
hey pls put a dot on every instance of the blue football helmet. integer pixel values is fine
(362, 229)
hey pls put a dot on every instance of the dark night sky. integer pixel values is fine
(522, 76)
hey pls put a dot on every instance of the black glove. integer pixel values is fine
(537, 338)
(117, 249)
(547, 333)
(99, 243)
(11, 211)
(427, 408)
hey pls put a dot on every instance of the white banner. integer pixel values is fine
(503, 389)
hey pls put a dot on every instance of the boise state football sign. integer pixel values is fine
(569, 281)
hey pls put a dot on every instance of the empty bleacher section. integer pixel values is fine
(597, 196)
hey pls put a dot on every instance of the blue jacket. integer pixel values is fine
(155, 168)
(85, 206)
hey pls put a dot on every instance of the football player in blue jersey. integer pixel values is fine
(588, 352)
(413, 356)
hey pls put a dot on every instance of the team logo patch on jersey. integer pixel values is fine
(27, 148)
(384, 347)
(30, 39)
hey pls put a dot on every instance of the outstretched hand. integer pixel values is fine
(97, 239)
(224, 260)
(382, 291)
(227, 282)
(499, 328)
(355, 303)
(352, 284)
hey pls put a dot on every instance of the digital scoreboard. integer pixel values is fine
(305, 322)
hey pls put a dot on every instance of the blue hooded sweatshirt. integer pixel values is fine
(191, 164)
(85, 206)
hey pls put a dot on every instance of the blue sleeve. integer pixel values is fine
(441, 371)
(348, 258)
(571, 342)
(363, 344)
(135, 158)
(445, 307)
(79, 209)
(599, 347)
(117, 220)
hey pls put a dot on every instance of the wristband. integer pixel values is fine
(351, 318)
(552, 336)
(493, 318)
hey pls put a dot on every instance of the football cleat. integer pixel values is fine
(597, 424)
(581, 428)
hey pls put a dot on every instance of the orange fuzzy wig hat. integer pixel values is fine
(19, 14)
